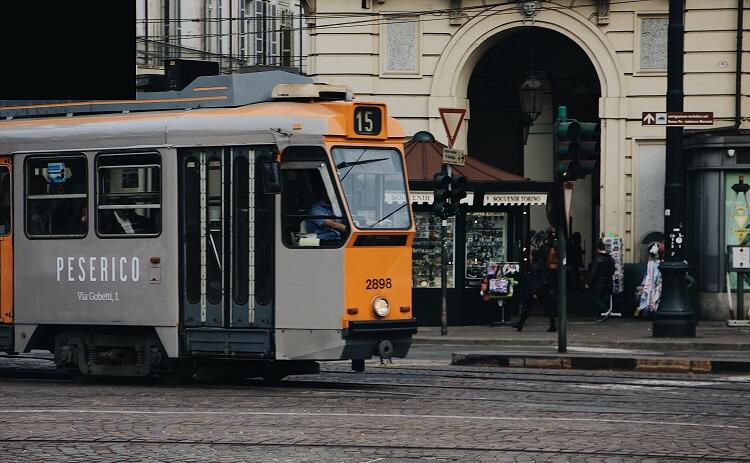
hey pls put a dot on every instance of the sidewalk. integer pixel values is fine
(612, 344)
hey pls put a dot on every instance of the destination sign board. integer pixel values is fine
(454, 157)
(680, 118)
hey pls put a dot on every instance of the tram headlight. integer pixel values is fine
(380, 307)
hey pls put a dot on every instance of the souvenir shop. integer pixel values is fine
(488, 233)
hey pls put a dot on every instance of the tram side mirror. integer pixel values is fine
(271, 177)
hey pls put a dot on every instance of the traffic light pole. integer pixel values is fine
(675, 317)
(562, 275)
(444, 269)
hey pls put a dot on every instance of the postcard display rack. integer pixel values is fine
(486, 234)
(426, 257)
(613, 245)
(498, 283)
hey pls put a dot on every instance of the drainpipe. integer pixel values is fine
(737, 80)
(231, 38)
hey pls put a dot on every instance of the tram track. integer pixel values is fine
(347, 386)
(372, 447)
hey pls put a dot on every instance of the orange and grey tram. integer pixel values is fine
(255, 221)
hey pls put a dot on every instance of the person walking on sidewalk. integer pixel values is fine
(532, 285)
(602, 269)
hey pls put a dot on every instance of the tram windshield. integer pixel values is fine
(374, 186)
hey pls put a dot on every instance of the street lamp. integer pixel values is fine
(531, 96)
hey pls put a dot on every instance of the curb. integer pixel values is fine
(588, 362)
(634, 345)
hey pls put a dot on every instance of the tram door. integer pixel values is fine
(6, 241)
(226, 239)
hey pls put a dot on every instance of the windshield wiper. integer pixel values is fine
(344, 164)
(393, 212)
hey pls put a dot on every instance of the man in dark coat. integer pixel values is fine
(535, 287)
(602, 269)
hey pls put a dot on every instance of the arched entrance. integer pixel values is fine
(496, 129)
(450, 88)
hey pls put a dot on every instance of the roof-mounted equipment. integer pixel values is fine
(308, 92)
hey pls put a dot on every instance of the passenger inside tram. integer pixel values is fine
(125, 222)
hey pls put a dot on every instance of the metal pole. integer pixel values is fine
(675, 317)
(740, 296)
(562, 287)
(444, 270)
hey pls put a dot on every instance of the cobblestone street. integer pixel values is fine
(411, 410)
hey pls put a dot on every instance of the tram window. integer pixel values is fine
(312, 213)
(128, 198)
(5, 210)
(56, 196)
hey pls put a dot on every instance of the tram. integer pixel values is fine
(256, 223)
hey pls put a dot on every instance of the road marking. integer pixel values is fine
(363, 415)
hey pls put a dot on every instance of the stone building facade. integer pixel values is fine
(604, 59)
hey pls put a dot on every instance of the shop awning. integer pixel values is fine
(423, 160)
(491, 186)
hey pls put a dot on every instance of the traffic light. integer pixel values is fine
(447, 194)
(458, 189)
(576, 147)
(590, 151)
(441, 194)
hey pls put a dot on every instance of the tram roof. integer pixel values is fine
(251, 123)
(216, 91)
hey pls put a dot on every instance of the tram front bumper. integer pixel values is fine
(384, 338)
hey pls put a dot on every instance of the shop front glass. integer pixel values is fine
(426, 258)
(486, 234)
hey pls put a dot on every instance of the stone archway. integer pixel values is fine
(477, 36)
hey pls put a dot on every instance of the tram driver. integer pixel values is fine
(329, 230)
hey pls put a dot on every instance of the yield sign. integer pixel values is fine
(452, 120)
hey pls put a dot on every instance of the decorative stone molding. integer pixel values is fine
(528, 9)
(457, 17)
(602, 12)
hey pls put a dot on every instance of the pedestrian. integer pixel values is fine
(534, 288)
(602, 269)
(575, 260)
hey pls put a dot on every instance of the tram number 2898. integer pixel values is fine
(378, 283)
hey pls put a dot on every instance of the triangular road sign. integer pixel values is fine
(452, 120)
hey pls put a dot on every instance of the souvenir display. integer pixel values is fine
(485, 243)
(426, 257)
(499, 280)
(613, 245)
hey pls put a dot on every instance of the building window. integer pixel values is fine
(56, 197)
(128, 200)
(400, 45)
(260, 32)
(287, 38)
(653, 44)
(245, 7)
(273, 35)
